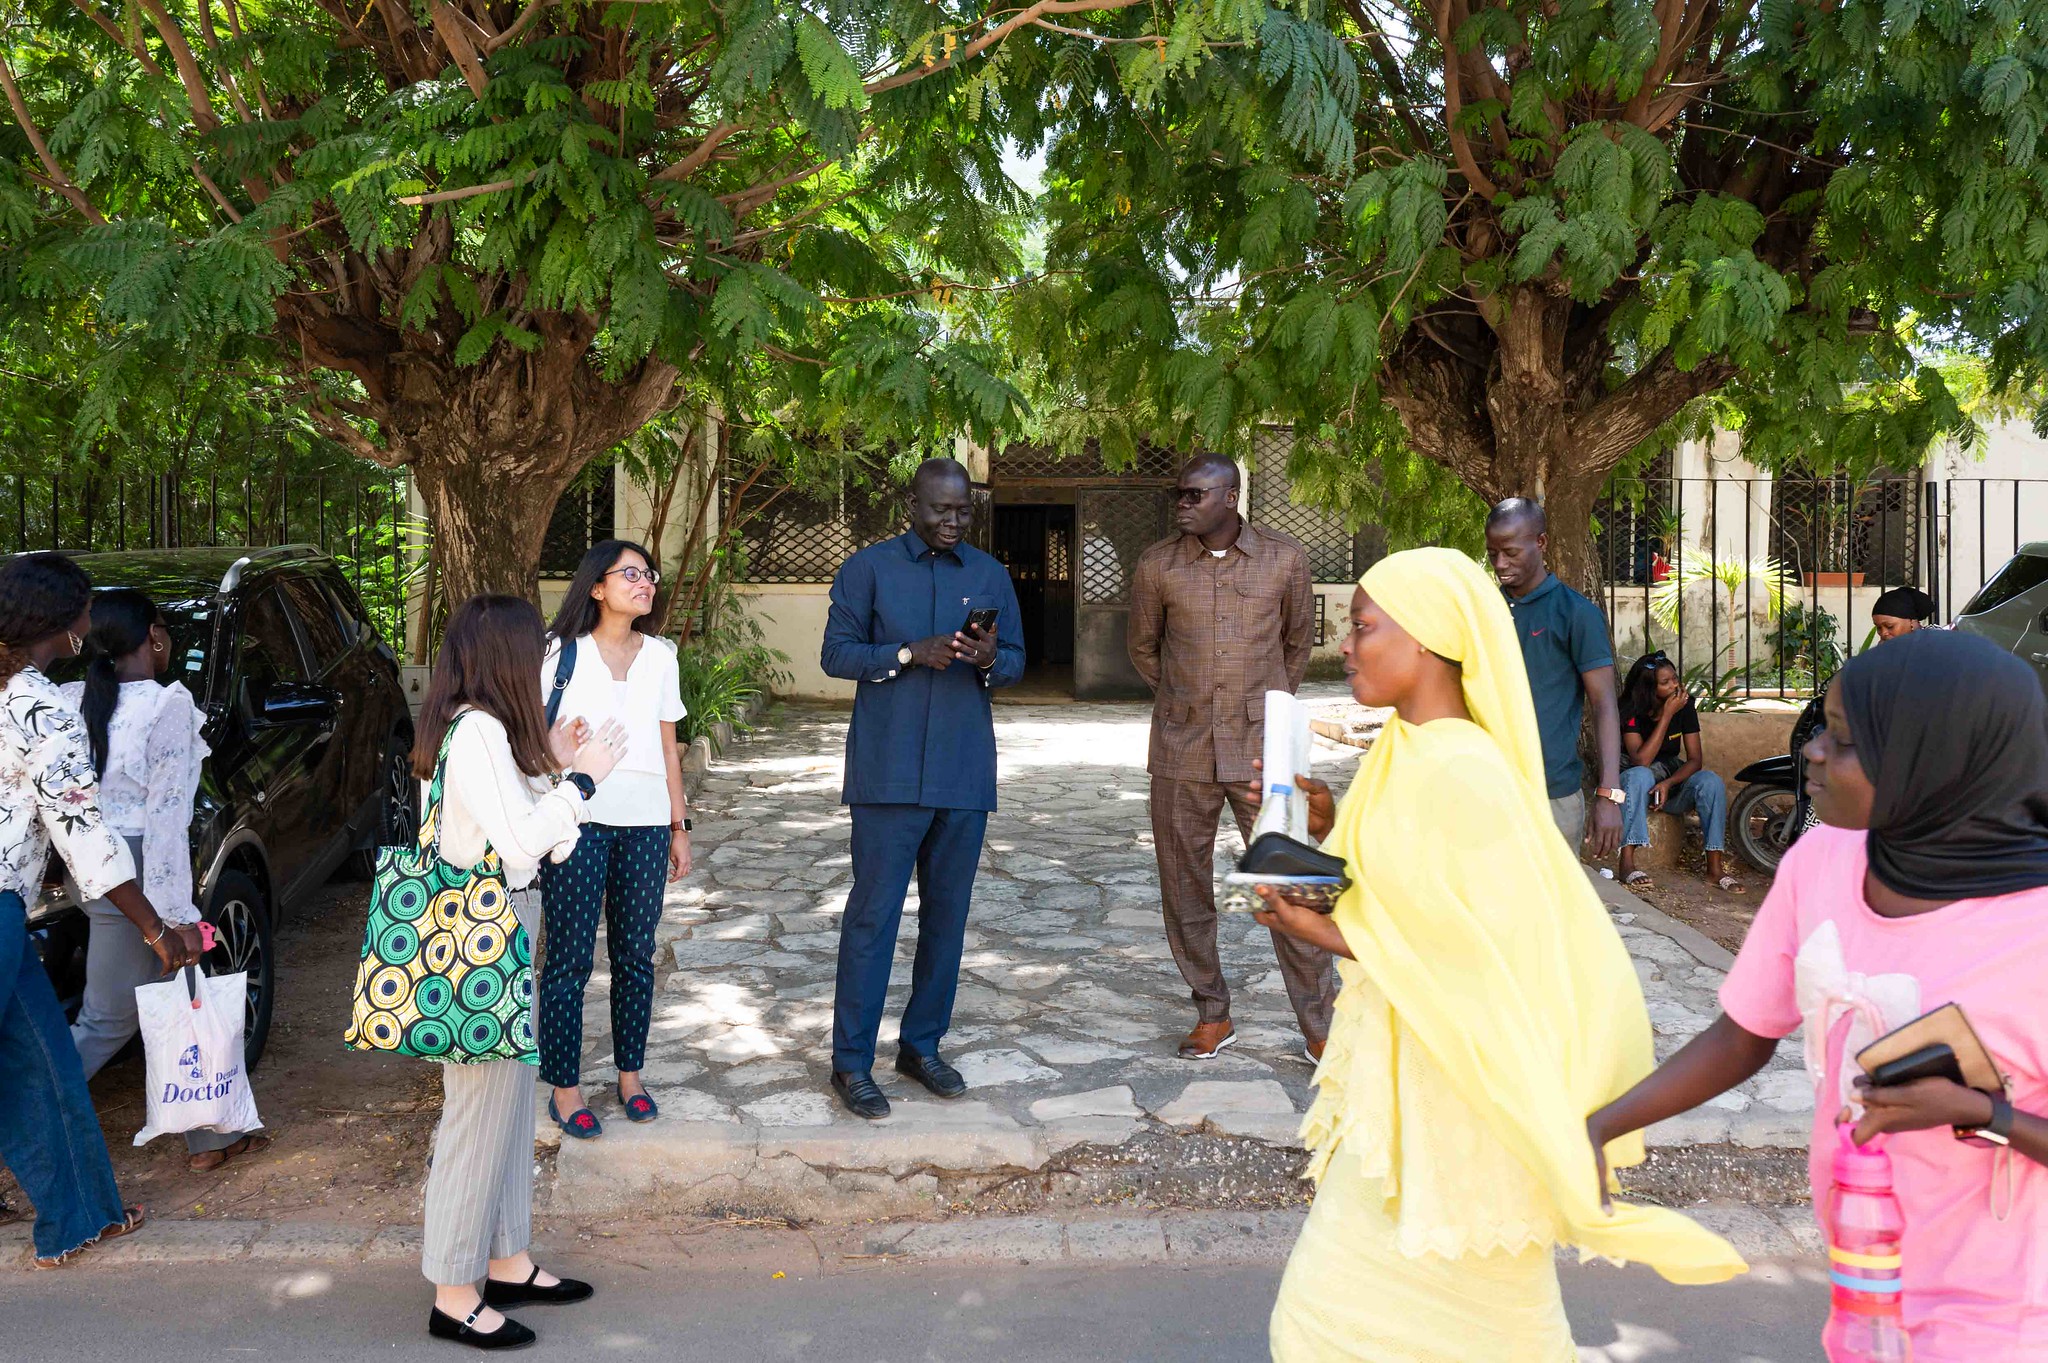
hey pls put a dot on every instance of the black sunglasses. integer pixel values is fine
(1192, 496)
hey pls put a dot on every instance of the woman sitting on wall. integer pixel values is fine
(1666, 768)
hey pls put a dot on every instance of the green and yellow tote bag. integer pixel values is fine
(447, 971)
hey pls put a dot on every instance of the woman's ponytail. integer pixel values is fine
(121, 620)
(96, 706)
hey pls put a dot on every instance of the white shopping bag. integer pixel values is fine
(192, 1037)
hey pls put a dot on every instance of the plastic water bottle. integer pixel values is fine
(1865, 1323)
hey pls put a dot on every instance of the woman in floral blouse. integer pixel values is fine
(49, 1135)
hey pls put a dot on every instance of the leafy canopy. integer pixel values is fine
(1513, 239)
(572, 201)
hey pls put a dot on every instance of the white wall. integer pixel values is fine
(792, 620)
(2016, 461)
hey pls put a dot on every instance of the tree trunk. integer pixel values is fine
(1517, 403)
(491, 445)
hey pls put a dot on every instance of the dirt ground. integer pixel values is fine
(1687, 895)
(350, 1130)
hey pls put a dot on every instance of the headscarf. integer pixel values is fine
(1953, 733)
(1479, 926)
(1904, 603)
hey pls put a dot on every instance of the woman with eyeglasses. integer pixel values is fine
(604, 662)
(1664, 769)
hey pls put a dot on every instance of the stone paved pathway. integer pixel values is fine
(1069, 1006)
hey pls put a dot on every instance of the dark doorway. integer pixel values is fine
(1036, 543)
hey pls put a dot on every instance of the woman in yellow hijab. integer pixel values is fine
(1487, 1006)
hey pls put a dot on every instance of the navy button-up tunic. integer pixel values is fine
(919, 736)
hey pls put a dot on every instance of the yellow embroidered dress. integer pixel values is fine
(1491, 1007)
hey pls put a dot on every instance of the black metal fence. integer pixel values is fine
(1765, 585)
(358, 514)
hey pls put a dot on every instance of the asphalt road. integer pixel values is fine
(879, 1313)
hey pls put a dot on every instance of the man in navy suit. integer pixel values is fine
(920, 770)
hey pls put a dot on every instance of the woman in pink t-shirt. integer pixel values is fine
(1937, 745)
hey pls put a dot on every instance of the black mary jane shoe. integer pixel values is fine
(862, 1096)
(510, 1335)
(935, 1074)
(504, 1295)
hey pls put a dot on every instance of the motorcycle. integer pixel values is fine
(1764, 819)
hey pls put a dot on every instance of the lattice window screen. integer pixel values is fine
(1328, 543)
(1117, 525)
(582, 517)
(1018, 462)
(804, 537)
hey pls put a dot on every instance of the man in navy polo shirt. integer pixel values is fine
(920, 770)
(1570, 662)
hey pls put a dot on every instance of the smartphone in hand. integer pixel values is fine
(982, 618)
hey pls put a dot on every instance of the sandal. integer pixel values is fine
(1730, 884)
(132, 1220)
(206, 1161)
(1635, 880)
(640, 1107)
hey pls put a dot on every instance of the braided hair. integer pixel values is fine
(121, 621)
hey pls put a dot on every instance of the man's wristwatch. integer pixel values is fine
(1614, 795)
(681, 825)
(582, 782)
(903, 655)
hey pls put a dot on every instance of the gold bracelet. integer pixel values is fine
(163, 930)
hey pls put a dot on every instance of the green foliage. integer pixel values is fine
(1793, 208)
(507, 234)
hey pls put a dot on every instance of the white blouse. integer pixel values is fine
(153, 756)
(635, 795)
(49, 796)
(487, 802)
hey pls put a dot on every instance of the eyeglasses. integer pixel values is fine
(635, 574)
(1192, 496)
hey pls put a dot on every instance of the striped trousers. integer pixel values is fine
(480, 1189)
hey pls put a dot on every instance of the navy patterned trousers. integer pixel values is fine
(620, 873)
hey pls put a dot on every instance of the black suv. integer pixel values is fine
(311, 738)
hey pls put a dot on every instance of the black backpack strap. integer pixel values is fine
(565, 668)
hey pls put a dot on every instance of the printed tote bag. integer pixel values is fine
(447, 971)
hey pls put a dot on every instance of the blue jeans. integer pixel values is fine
(49, 1135)
(620, 874)
(1702, 791)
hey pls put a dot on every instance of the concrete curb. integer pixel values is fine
(1171, 1237)
(1697, 944)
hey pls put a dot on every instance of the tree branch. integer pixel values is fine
(196, 93)
(968, 51)
(58, 179)
(700, 155)
(1390, 70)
(449, 25)
(1461, 150)
(466, 192)
(532, 12)
(119, 35)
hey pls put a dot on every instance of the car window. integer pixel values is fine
(348, 607)
(315, 613)
(267, 651)
(2024, 573)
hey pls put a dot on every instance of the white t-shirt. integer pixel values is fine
(635, 795)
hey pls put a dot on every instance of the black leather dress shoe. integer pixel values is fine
(935, 1074)
(507, 1295)
(862, 1096)
(510, 1335)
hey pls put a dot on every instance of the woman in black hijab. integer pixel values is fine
(1927, 887)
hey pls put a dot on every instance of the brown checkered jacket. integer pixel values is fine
(1211, 636)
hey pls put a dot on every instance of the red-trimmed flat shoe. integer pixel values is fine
(639, 1108)
(582, 1123)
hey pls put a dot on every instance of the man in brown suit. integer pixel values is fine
(1220, 614)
